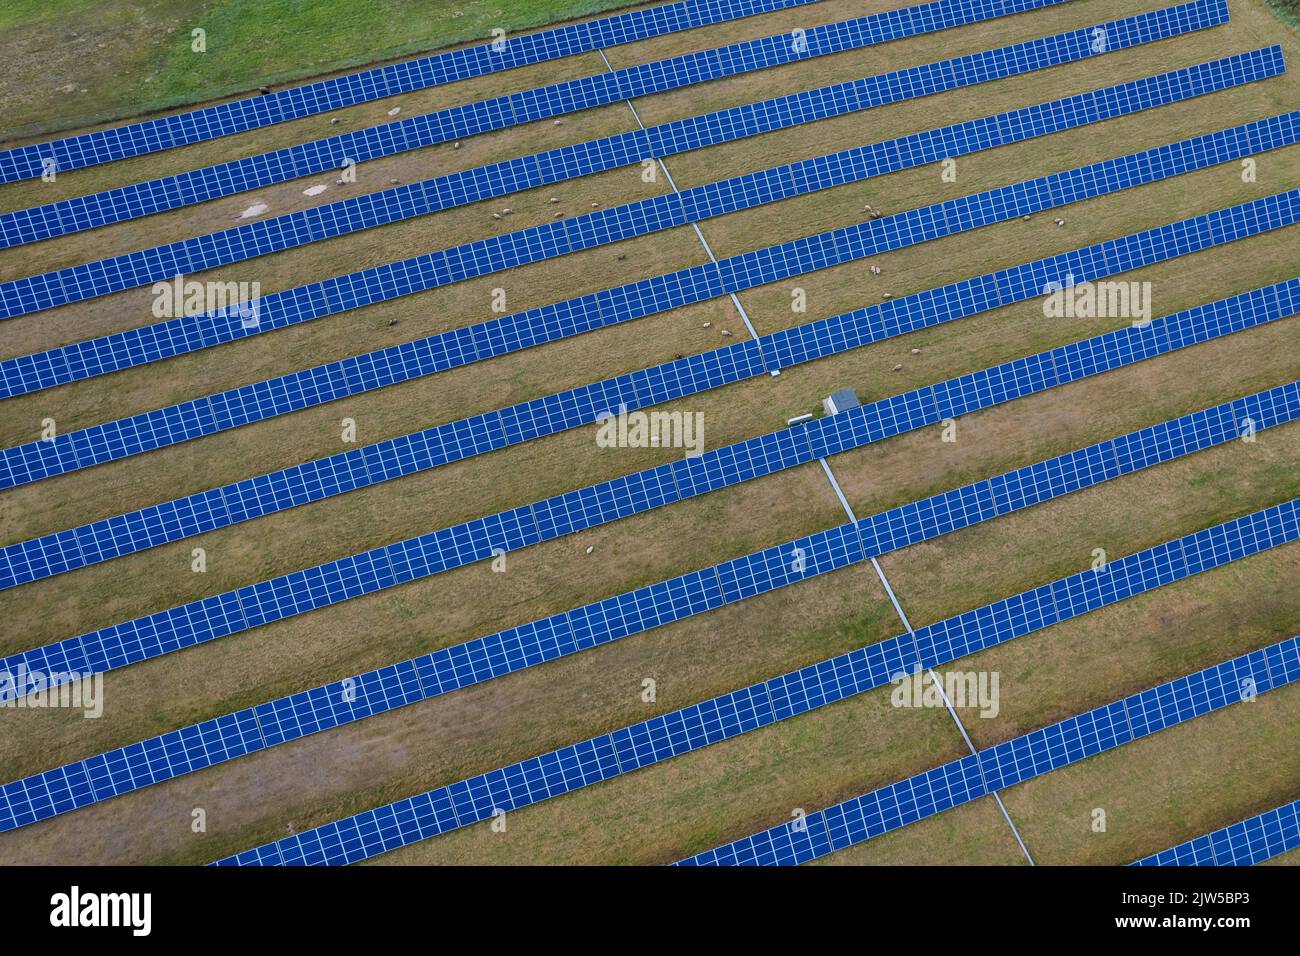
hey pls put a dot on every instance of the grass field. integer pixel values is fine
(69, 64)
(1155, 793)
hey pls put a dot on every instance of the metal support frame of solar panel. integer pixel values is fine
(298, 715)
(652, 741)
(94, 445)
(460, 122)
(401, 562)
(1012, 762)
(1244, 843)
(238, 116)
(130, 270)
(116, 351)
(106, 539)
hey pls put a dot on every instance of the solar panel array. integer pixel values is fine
(129, 270)
(958, 782)
(87, 447)
(1011, 762)
(147, 198)
(296, 593)
(87, 359)
(1244, 843)
(459, 122)
(553, 239)
(295, 390)
(474, 259)
(150, 527)
(661, 738)
(297, 715)
(195, 126)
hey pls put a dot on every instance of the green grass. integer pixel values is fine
(1288, 9)
(136, 58)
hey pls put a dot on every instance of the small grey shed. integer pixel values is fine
(841, 401)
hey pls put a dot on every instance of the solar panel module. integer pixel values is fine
(1244, 843)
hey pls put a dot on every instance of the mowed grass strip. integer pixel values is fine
(243, 669)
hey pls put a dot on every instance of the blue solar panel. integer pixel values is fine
(483, 659)
(76, 283)
(1006, 764)
(241, 175)
(195, 126)
(67, 452)
(1244, 843)
(149, 527)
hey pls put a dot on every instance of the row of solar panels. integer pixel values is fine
(1244, 843)
(661, 738)
(129, 270)
(182, 335)
(295, 716)
(23, 464)
(448, 548)
(461, 122)
(149, 527)
(136, 139)
(1014, 761)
